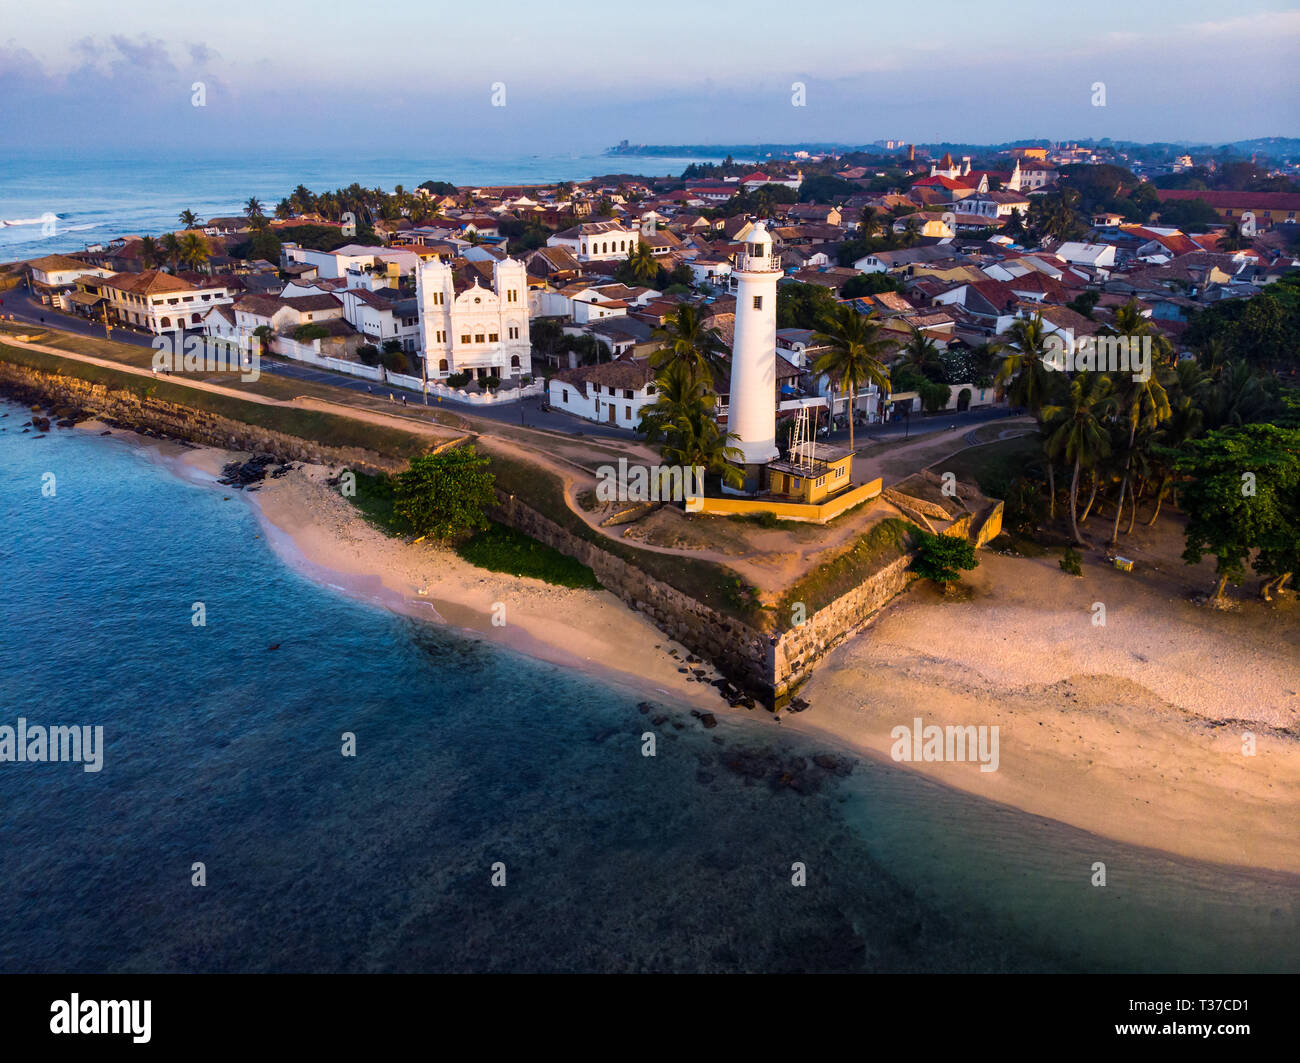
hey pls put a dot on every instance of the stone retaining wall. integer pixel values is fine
(177, 421)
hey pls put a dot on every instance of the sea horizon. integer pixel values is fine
(96, 196)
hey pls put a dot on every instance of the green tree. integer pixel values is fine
(869, 284)
(801, 305)
(151, 255)
(1077, 430)
(1242, 496)
(194, 251)
(171, 249)
(684, 338)
(446, 495)
(943, 558)
(189, 219)
(1142, 404)
(856, 353)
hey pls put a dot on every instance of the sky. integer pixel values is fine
(578, 76)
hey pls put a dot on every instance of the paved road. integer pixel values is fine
(529, 412)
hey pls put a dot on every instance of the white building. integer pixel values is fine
(751, 412)
(330, 264)
(612, 392)
(476, 330)
(596, 240)
(158, 301)
(61, 271)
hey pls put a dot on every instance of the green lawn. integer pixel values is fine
(502, 549)
(715, 585)
(328, 429)
(884, 543)
(993, 466)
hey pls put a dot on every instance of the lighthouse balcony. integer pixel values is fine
(760, 263)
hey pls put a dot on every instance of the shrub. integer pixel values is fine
(492, 383)
(368, 353)
(943, 558)
(445, 495)
(396, 361)
(307, 333)
(457, 380)
(1072, 562)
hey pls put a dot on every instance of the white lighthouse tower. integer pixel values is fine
(751, 415)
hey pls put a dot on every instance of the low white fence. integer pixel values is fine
(310, 354)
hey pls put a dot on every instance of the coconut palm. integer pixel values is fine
(189, 219)
(693, 439)
(920, 352)
(679, 389)
(171, 249)
(254, 212)
(856, 353)
(194, 251)
(685, 339)
(1078, 430)
(642, 263)
(1024, 373)
(1142, 404)
(151, 255)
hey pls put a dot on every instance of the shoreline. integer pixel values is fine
(1128, 751)
(320, 535)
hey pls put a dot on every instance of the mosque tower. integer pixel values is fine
(751, 415)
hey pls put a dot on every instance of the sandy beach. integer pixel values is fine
(1132, 730)
(317, 531)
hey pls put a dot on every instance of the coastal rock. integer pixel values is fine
(708, 720)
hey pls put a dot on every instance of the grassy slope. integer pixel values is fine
(325, 428)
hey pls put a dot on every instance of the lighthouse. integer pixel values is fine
(751, 415)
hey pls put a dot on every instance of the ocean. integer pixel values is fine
(472, 761)
(51, 204)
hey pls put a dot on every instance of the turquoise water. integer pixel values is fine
(220, 750)
(97, 197)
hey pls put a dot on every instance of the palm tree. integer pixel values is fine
(189, 219)
(254, 212)
(642, 263)
(867, 224)
(686, 340)
(1141, 404)
(1183, 423)
(171, 248)
(1024, 372)
(194, 251)
(151, 254)
(921, 351)
(694, 439)
(856, 354)
(1078, 430)
(678, 390)
(1233, 239)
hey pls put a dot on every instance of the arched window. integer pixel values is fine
(514, 361)
(442, 365)
(166, 322)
